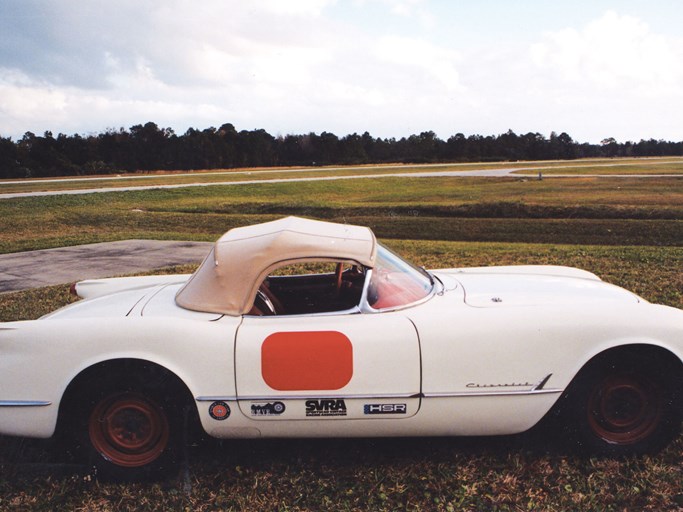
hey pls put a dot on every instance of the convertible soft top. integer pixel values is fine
(227, 280)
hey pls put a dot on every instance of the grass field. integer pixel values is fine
(597, 211)
(628, 231)
(665, 166)
(534, 471)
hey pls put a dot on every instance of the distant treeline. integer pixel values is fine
(148, 147)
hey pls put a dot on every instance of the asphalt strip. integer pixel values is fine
(34, 269)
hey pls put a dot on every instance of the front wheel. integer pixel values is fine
(624, 408)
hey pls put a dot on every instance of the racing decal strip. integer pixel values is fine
(24, 403)
(305, 397)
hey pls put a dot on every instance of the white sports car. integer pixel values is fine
(298, 328)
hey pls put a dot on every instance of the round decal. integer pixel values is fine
(219, 410)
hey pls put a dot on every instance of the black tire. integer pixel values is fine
(629, 407)
(129, 432)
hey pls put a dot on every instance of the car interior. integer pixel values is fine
(311, 287)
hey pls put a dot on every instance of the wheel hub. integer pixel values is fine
(624, 410)
(128, 430)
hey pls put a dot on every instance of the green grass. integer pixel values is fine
(573, 210)
(628, 231)
(505, 474)
(669, 165)
(672, 166)
(532, 471)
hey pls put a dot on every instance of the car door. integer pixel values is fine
(328, 367)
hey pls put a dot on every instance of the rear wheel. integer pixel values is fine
(129, 432)
(630, 407)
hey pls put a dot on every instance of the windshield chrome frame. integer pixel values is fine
(365, 307)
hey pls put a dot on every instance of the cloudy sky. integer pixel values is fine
(591, 68)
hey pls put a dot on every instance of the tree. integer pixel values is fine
(456, 147)
(609, 147)
(9, 160)
(352, 150)
(149, 147)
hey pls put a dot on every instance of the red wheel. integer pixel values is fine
(624, 410)
(624, 404)
(128, 430)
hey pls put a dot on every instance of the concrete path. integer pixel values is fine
(102, 190)
(33, 269)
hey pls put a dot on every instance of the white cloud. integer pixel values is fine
(392, 67)
(23, 99)
(298, 7)
(612, 76)
(613, 52)
(418, 10)
(420, 56)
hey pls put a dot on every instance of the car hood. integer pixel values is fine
(535, 286)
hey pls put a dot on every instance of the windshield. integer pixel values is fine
(395, 282)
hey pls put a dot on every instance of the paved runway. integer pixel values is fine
(33, 269)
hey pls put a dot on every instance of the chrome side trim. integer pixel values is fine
(261, 398)
(462, 394)
(493, 393)
(351, 311)
(24, 403)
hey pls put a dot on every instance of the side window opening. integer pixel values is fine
(310, 287)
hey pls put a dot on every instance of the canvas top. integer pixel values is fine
(229, 277)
